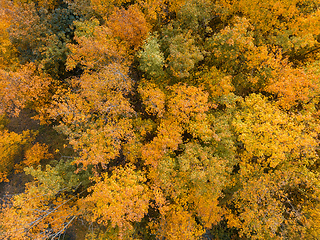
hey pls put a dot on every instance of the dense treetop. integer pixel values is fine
(161, 119)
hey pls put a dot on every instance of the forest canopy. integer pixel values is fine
(159, 119)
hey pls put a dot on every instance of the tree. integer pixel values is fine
(40, 36)
(181, 50)
(34, 155)
(151, 58)
(177, 224)
(292, 25)
(153, 99)
(105, 8)
(278, 149)
(19, 88)
(96, 118)
(46, 208)
(119, 200)
(195, 16)
(185, 119)
(129, 25)
(293, 86)
(94, 52)
(11, 146)
(8, 53)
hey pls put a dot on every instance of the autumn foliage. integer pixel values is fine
(160, 119)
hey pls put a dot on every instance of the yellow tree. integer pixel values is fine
(11, 147)
(46, 208)
(275, 182)
(187, 172)
(96, 118)
(153, 99)
(292, 25)
(95, 112)
(8, 53)
(178, 223)
(119, 200)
